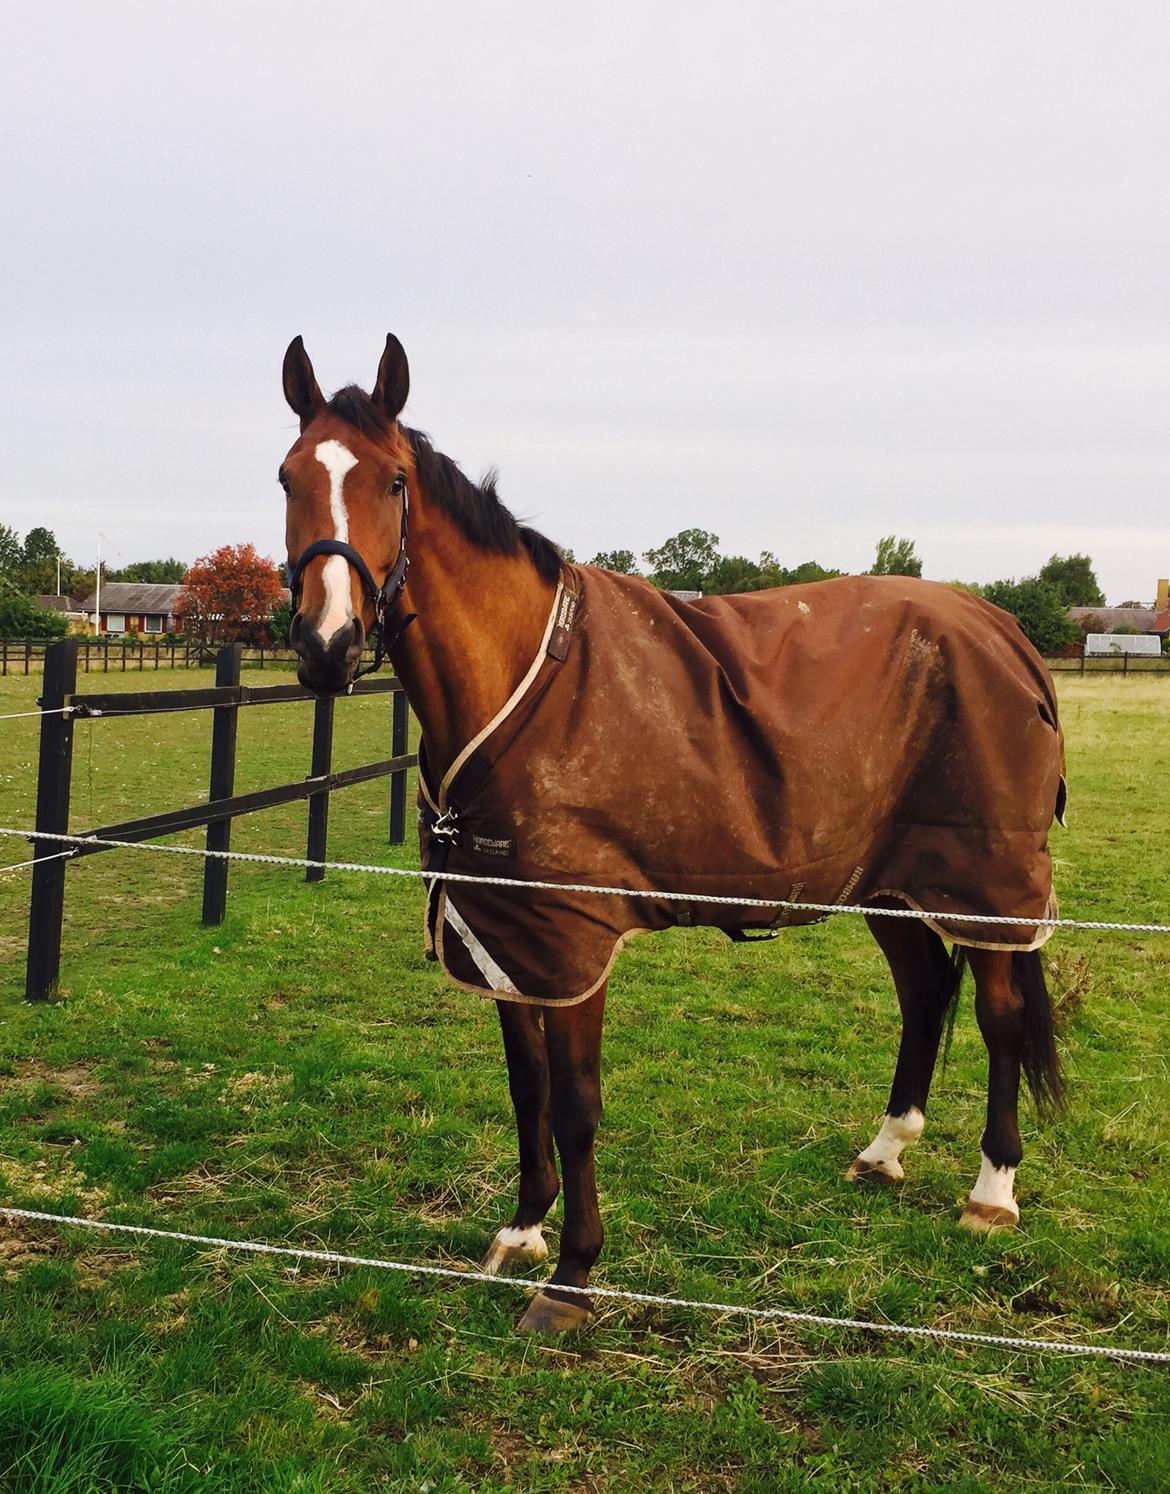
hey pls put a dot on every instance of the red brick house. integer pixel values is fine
(141, 607)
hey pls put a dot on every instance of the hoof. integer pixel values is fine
(885, 1173)
(555, 1314)
(503, 1258)
(987, 1219)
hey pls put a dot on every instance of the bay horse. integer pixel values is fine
(883, 741)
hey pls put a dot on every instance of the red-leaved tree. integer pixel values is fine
(228, 595)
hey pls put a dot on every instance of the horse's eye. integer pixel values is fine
(398, 486)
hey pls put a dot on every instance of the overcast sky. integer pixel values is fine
(802, 275)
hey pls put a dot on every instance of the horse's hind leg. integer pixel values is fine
(926, 982)
(522, 1243)
(1015, 1018)
(573, 1039)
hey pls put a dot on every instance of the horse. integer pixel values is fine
(888, 742)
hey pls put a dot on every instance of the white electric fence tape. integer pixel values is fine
(771, 904)
(616, 1294)
(776, 1314)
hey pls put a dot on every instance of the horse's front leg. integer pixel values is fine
(573, 1041)
(522, 1243)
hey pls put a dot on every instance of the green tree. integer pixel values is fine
(1040, 608)
(735, 573)
(280, 622)
(896, 557)
(40, 544)
(621, 561)
(11, 550)
(150, 571)
(20, 617)
(807, 570)
(1075, 580)
(37, 571)
(684, 562)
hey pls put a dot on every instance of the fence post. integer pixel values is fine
(54, 771)
(319, 803)
(4, 656)
(223, 777)
(398, 726)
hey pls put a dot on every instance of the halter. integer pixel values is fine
(385, 597)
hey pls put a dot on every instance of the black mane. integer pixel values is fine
(475, 507)
(356, 408)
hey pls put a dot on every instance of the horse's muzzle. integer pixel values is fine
(327, 668)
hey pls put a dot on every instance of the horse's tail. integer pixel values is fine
(951, 970)
(1041, 1060)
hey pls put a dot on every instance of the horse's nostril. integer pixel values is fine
(294, 632)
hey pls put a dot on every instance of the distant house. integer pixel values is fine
(1109, 619)
(69, 607)
(135, 607)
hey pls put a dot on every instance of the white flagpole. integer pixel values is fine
(97, 622)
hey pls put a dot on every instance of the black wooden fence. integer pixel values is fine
(225, 700)
(1111, 664)
(122, 655)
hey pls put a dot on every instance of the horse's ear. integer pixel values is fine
(300, 382)
(393, 382)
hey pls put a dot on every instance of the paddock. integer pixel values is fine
(301, 1074)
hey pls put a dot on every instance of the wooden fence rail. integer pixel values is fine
(1111, 664)
(120, 655)
(225, 700)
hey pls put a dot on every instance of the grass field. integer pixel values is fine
(303, 1075)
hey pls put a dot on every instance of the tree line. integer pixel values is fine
(691, 561)
(236, 593)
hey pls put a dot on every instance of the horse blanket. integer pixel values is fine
(826, 743)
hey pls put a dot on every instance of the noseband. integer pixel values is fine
(385, 597)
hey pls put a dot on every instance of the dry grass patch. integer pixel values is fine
(75, 1078)
(257, 1086)
(49, 1177)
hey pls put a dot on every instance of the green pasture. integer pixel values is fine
(303, 1075)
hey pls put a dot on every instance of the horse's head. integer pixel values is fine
(346, 479)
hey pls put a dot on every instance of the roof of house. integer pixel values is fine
(1140, 618)
(1161, 623)
(60, 604)
(135, 596)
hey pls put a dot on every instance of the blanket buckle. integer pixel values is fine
(446, 827)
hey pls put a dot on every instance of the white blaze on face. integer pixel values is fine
(338, 609)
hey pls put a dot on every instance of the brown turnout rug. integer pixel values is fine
(824, 743)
